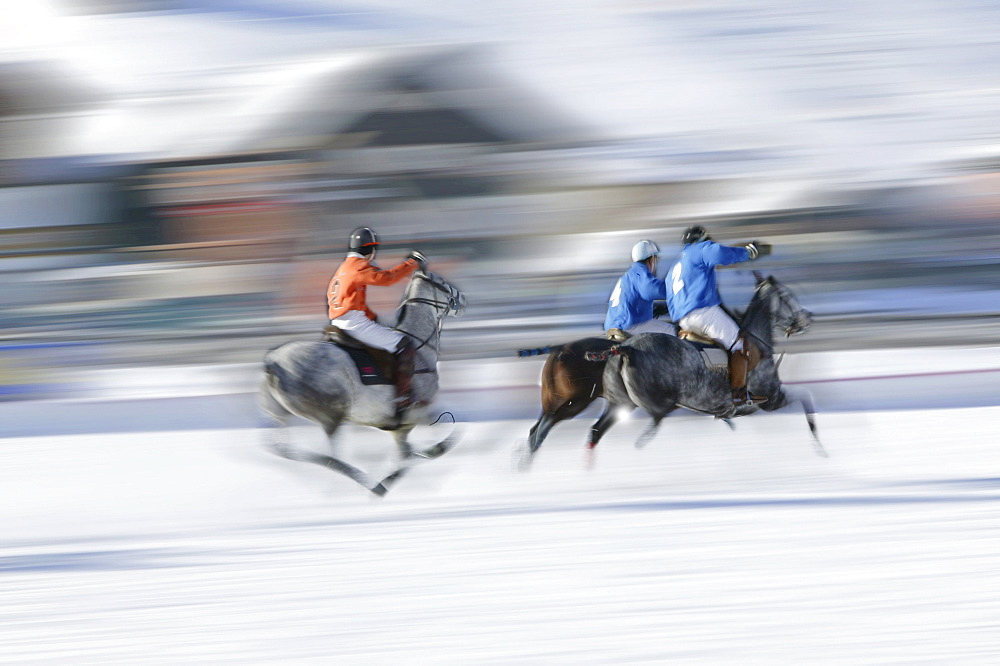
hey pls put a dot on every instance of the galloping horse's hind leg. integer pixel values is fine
(601, 425)
(335, 464)
(272, 419)
(273, 434)
(648, 433)
(607, 419)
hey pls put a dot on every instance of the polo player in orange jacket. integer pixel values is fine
(349, 311)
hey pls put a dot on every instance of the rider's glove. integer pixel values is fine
(754, 249)
(419, 258)
(660, 309)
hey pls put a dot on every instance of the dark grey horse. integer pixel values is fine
(660, 373)
(319, 381)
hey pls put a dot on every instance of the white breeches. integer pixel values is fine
(653, 326)
(367, 331)
(713, 322)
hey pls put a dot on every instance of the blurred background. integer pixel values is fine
(178, 178)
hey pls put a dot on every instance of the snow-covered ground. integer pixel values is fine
(709, 545)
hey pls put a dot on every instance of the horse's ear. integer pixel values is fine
(758, 277)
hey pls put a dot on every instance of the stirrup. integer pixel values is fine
(746, 399)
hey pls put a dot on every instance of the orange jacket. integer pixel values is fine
(348, 286)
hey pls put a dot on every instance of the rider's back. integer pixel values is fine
(692, 284)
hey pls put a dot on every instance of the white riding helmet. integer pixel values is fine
(644, 249)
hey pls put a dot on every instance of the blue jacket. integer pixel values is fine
(691, 281)
(631, 302)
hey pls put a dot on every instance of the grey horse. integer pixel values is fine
(660, 373)
(320, 382)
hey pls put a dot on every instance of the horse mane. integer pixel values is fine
(401, 308)
(409, 296)
(758, 305)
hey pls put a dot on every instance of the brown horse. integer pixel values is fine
(570, 382)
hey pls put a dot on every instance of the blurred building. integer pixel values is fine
(208, 214)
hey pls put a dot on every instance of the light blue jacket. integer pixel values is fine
(691, 283)
(631, 302)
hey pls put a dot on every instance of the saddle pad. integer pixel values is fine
(369, 370)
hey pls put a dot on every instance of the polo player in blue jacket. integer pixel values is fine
(694, 302)
(630, 308)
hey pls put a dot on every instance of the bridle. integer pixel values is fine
(795, 318)
(453, 302)
(793, 322)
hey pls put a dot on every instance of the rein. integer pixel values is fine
(441, 307)
(789, 330)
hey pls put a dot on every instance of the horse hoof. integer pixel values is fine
(281, 450)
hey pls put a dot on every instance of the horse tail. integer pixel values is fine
(273, 374)
(538, 351)
(272, 411)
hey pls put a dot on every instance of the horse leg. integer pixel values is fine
(608, 417)
(341, 467)
(403, 446)
(405, 456)
(648, 433)
(272, 418)
(809, 409)
(541, 429)
(804, 397)
(538, 432)
(601, 426)
(336, 464)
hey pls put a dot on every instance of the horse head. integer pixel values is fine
(428, 299)
(444, 294)
(786, 312)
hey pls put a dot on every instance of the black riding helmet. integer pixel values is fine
(695, 234)
(363, 241)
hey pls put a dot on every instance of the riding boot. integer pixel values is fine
(405, 356)
(738, 361)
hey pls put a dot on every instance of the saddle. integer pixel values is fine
(617, 335)
(376, 366)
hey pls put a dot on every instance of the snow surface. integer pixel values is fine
(709, 545)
